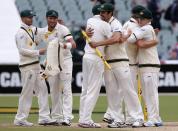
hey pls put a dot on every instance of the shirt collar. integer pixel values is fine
(111, 19)
(56, 27)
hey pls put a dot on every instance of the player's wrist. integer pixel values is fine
(68, 45)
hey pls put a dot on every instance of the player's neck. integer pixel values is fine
(50, 28)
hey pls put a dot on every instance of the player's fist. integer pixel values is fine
(89, 32)
(93, 44)
(42, 51)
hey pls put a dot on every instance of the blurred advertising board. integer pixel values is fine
(10, 81)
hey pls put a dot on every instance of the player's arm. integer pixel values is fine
(23, 47)
(125, 35)
(115, 38)
(146, 44)
(60, 21)
(138, 34)
(156, 30)
(39, 32)
(89, 32)
(69, 41)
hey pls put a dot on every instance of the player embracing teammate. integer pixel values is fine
(138, 38)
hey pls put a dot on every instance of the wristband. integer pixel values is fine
(68, 45)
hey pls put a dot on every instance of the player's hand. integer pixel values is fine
(156, 30)
(60, 21)
(129, 32)
(140, 43)
(65, 46)
(93, 44)
(125, 35)
(42, 51)
(89, 32)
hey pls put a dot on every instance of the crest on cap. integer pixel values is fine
(141, 13)
(145, 14)
(107, 7)
(27, 13)
(51, 13)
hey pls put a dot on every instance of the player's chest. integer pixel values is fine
(49, 36)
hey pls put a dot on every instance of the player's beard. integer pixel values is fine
(52, 25)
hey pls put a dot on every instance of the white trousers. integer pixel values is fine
(114, 96)
(67, 91)
(134, 77)
(31, 81)
(93, 69)
(127, 93)
(56, 85)
(61, 93)
(150, 82)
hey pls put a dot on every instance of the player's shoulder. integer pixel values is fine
(115, 25)
(147, 27)
(131, 23)
(62, 27)
(20, 34)
(114, 22)
(95, 18)
(126, 23)
(104, 22)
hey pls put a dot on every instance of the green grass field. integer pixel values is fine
(168, 111)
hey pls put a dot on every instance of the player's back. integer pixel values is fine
(102, 31)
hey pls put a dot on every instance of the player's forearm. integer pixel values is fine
(69, 44)
(147, 44)
(71, 40)
(116, 38)
(30, 53)
(132, 39)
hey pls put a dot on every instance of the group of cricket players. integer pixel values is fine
(118, 53)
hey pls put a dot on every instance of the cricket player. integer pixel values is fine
(149, 66)
(132, 49)
(61, 100)
(121, 78)
(93, 69)
(30, 73)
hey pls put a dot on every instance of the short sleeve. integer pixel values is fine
(116, 26)
(137, 34)
(66, 33)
